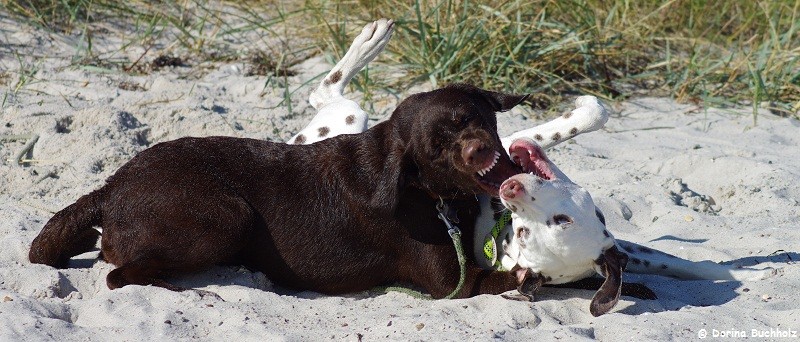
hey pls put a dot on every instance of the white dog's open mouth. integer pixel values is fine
(531, 158)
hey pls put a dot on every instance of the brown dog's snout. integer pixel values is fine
(475, 153)
(511, 189)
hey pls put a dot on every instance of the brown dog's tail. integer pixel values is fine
(68, 233)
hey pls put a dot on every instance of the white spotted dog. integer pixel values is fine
(560, 236)
(336, 114)
(556, 233)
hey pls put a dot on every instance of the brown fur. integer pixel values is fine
(342, 215)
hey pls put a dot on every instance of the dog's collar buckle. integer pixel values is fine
(443, 211)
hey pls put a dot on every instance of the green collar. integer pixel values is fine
(490, 244)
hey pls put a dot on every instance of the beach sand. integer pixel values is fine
(700, 183)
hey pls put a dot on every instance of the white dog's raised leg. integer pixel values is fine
(335, 114)
(589, 115)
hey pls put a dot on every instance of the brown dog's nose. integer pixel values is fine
(474, 153)
(511, 188)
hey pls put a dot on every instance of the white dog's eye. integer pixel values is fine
(523, 232)
(562, 219)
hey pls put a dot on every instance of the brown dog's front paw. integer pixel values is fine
(520, 297)
(529, 282)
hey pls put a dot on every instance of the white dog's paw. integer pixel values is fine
(589, 113)
(371, 41)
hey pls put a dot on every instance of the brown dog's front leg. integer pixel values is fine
(477, 281)
(530, 283)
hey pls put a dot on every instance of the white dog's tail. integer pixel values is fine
(645, 260)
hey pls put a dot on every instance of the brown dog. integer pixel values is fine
(342, 215)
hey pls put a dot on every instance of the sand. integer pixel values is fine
(701, 183)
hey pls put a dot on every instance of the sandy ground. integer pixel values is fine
(701, 183)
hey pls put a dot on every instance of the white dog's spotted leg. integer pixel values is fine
(335, 114)
(589, 115)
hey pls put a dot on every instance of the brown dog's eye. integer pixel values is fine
(562, 219)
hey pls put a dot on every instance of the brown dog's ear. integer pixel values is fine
(396, 174)
(612, 262)
(503, 102)
(500, 102)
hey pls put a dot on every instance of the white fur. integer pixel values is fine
(335, 114)
(567, 253)
(589, 115)
(563, 252)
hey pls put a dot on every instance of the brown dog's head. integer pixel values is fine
(450, 138)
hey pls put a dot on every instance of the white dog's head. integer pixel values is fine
(546, 196)
(558, 230)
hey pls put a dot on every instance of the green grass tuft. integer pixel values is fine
(717, 52)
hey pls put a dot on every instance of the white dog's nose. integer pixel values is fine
(511, 189)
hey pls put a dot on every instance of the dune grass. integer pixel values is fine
(706, 52)
(730, 52)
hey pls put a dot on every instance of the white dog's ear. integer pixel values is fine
(612, 262)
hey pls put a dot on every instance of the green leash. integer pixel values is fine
(455, 235)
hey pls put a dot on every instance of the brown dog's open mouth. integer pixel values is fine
(526, 156)
(500, 169)
(531, 158)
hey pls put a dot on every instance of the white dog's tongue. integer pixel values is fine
(532, 158)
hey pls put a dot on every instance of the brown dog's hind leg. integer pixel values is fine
(141, 272)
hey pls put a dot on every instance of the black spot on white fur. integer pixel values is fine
(600, 216)
(336, 77)
(562, 219)
(646, 250)
(538, 137)
(300, 139)
(350, 119)
(323, 131)
(573, 131)
(556, 137)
